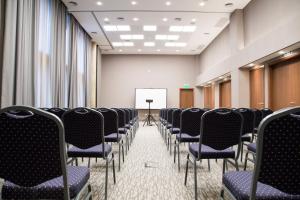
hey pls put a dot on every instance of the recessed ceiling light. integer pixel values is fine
(177, 50)
(117, 44)
(168, 3)
(116, 28)
(135, 19)
(281, 52)
(110, 28)
(201, 3)
(149, 44)
(180, 44)
(99, 3)
(175, 28)
(106, 19)
(189, 29)
(120, 50)
(132, 37)
(251, 65)
(221, 77)
(123, 28)
(194, 20)
(165, 19)
(158, 50)
(139, 50)
(133, 3)
(149, 28)
(209, 82)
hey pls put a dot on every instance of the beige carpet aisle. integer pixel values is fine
(160, 181)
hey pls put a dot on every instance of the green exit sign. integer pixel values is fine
(186, 85)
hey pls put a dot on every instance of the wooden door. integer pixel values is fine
(257, 88)
(284, 84)
(209, 97)
(225, 94)
(186, 98)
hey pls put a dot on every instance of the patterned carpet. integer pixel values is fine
(160, 180)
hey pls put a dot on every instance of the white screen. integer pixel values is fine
(159, 97)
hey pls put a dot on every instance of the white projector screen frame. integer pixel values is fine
(159, 96)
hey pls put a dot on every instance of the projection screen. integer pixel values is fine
(158, 95)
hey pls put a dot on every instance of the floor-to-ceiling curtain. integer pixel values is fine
(18, 58)
(47, 56)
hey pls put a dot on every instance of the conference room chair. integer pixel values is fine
(266, 112)
(163, 120)
(57, 111)
(220, 131)
(84, 130)
(111, 130)
(168, 125)
(33, 157)
(276, 173)
(133, 121)
(251, 148)
(160, 120)
(121, 124)
(248, 127)
(127, 124)
(175, 129)
(190, 120)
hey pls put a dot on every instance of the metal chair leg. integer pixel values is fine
(224, 163)
(195, 179)
(123, 150)
(208, 162)
(175, 151)
(246, 159)
(178, 156)
(236, 165)
(186, 169)
(119, 156)
(113, 165)
(106, 178)
(242, 151)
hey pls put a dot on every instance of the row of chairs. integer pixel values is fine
(36, 146)
(212, 134)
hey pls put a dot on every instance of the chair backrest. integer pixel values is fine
(84, 127)
(121, 117)
(127, 115)
(278, 152)
(249, 120)
(57, 111)
(170, 115)
(110, 120)
(32, 146)
(221, 128)
(258, 117)
(190, 120)
(266, 112)
(176, 118)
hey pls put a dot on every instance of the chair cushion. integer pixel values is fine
(52, 189)
(175, 130)
(252, 147)
(187, 138)
(95, 151)
(246, 138)
(208, 152)
(122, 130)
(114, 137)
(239, 184)
(127, 126)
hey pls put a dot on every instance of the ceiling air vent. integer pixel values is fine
(178, 19)
(121, 18)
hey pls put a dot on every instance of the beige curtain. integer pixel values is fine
(17, 76)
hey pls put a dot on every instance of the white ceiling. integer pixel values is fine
(210, 20)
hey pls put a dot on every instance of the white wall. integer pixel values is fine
(268, 26)
(121, 74)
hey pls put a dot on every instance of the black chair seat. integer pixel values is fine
(52, 189)
(114, 137)
(239, 184)
(252, 147)
(208, 152)
(246, 138)
(122, 130)
(95, 151)
(187, 138)
(175, 130)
